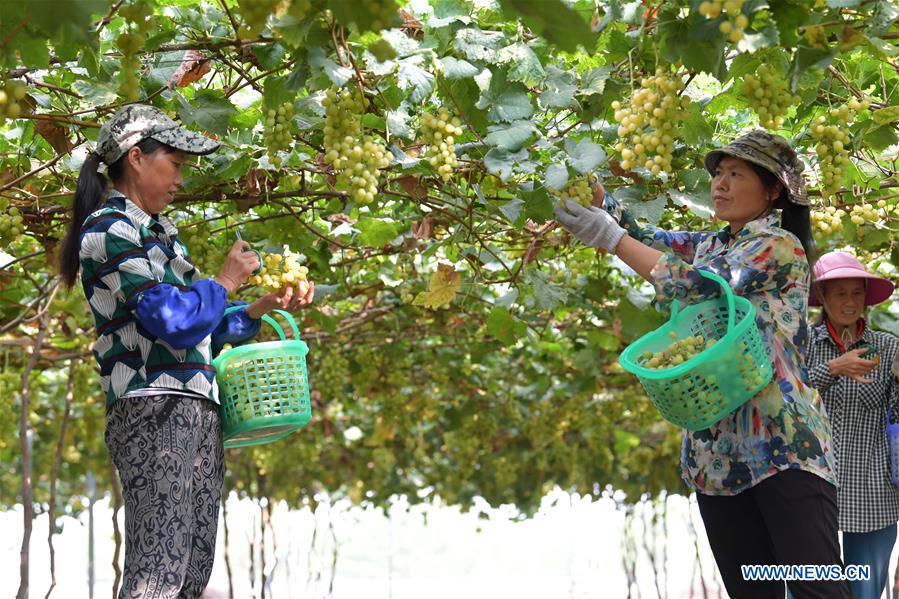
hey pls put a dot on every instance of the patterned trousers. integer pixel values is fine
(168, 451)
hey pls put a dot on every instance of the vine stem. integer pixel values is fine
(25, 440)
(46, 165)
(108, 18)
(54, 474)
(12, 32)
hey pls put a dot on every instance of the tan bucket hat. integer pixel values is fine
(771, 152)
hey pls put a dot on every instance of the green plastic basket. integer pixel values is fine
(701, 391)
(263, 387)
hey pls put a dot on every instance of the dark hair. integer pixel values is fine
(90, 193)
(794, 218)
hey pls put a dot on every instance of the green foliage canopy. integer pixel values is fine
(512, 385)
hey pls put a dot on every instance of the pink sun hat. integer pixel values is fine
(840, 265)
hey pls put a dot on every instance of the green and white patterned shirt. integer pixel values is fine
(158, 323)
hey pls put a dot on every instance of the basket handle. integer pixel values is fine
(728, 293)
(274, 324)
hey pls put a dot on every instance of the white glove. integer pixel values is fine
(593, 226)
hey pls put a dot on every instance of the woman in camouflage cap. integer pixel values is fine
(159, 324)
(764, 474)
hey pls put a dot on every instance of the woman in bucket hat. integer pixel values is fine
(764, 474)
(159, 324)
(849, 364)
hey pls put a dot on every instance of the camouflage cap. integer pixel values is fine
(137, 122)
(771, 152)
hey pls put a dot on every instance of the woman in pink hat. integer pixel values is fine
(850, 365)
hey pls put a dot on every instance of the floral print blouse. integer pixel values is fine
(783, 426)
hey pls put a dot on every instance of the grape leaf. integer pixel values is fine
(524, 64)
(410, 76)
(547, 295)
(455, 68)
(554, 20)
(442, 288)
(556, 176)
(890, 114)
(505, 101)
(210, 111)
(511, 137)
(700, 205)
(376, 232)
(560, 88)
(505, 327)
(585, 155)
(479, 45)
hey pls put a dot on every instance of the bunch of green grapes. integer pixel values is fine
(749, 369)
(10, 387)
(201, 252)
(769, 96)
(380, 15)
(830, 220)
(833, 144)
(277, 132)
(678, 352)
(11, 223)
(865, 213)
(255, 14)
(281, 270)
(647, 126)
(578, 190)
(11, 94)
(362, 169)
(130, 87)
(734, 23)
(332, 372)
(139, 13)
(357, 159)
(138, 23)
(440, 133)
(342, 125)
(369, 368)
(381, 12)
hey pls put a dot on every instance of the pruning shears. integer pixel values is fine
(258, 255)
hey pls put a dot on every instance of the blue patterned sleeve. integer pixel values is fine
(759, 265)
(893, 393)
(182, 316)
(682, 244)
(236, 327)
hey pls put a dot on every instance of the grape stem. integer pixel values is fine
(336, 45)
(236, 89)
(842, 79)
(12, 33)
(240, 71)
(310, 229)
(230, 17)
(38, 83)
(48, 164)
